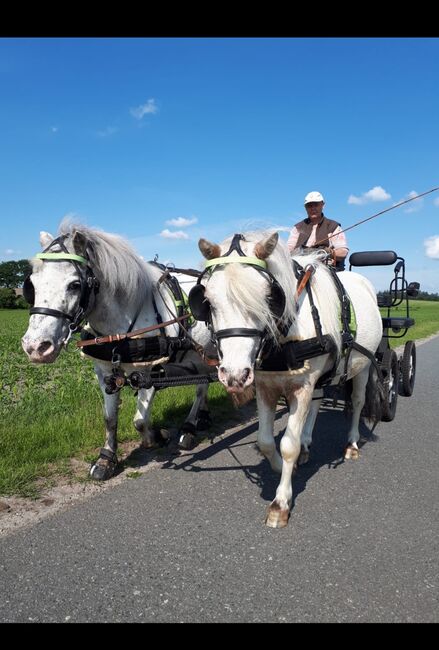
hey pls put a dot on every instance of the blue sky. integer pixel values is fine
(165, 140)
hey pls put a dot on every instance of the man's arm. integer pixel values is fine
(292, 239)
(338, 241)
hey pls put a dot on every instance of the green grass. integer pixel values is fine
(50, 414)
(426, 316)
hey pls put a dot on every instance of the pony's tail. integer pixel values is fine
(372, 409)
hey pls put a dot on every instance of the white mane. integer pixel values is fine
(114, 261)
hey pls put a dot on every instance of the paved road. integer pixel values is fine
(186, 542)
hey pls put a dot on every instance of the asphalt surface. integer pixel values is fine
(186, 541)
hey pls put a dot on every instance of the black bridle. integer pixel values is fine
(89, 284)
(200, 306)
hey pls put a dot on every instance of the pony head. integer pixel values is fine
(56, 289)
(239, 293)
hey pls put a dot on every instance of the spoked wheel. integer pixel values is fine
(390, 370)
(408, 369)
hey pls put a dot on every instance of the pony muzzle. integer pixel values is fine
(235, 381)
(40, 351)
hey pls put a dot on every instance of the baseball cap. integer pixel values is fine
(313, 197)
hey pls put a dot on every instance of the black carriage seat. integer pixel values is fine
(373, 258)
(397, 324)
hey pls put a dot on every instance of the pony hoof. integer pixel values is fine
(105, 466)
(204, 421)
(303, 456)
(351, 453)
(187, 441)
(157, 438)
(277, 517)
(188, 437)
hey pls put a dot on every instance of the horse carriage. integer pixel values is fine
(253, 305)
(399, 372)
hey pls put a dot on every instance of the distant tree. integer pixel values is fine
(8, 299)
(20, 303)
(13, 273)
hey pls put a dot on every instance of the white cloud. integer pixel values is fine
(416, 205)
(144, 109)
(9, 251)
(176, 234)
(432, 247)
(110, 130)
(181, 222)
(436, 202)
(377, 193)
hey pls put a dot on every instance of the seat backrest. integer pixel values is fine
(373, 258)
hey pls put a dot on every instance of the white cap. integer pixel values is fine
(313, 197)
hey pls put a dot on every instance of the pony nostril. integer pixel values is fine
(245, 375)
(28, 348)
(44, 346)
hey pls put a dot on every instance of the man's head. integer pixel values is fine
(314, 203)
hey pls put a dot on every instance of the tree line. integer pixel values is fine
(422, 295)
(12, 275)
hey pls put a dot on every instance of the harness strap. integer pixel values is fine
(309, 271)
(120, 337)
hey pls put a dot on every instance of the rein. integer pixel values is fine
(100, 340)
(418, 196)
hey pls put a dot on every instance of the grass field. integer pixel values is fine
(50, 414)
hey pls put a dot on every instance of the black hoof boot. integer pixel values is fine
(105, 466)
(188, 437)
(204, 421)
(162, 437)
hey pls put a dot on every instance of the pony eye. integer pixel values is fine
(74, 286)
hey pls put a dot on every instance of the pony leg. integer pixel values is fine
(308, 428)
(106, 464)
(279, 509)
(150, 438)
(266, 414)
(198, 419)
(359, 383)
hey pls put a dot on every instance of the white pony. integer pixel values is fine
(239, 295)
(93, 275)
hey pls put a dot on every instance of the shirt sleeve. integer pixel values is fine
(292, 239)
(338, 240)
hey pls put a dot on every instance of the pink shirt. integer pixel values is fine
(337, 239)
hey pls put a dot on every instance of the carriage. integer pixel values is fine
(398, 372)
(97, 278)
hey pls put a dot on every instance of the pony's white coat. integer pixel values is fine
(127, 283)
(238, 296)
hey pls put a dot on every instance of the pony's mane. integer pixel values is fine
(244, 291)
(114, 260)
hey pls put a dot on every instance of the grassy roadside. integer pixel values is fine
(426, 316)
(50, 414)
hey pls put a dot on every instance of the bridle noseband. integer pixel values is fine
(89, 285)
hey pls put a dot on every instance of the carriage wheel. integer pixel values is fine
(390, 369)
(408, 369)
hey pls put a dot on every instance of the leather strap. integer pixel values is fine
(120, 337)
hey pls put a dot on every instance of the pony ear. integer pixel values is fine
(265, 247)
(45, 239)
(79, 242)
(208, 249)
